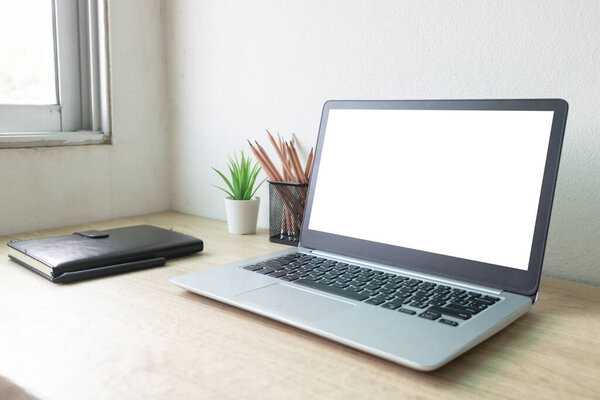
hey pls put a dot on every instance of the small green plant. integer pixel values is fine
(243, 177)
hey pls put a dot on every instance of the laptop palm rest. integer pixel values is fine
(294, 302)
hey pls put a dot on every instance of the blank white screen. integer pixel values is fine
(461, 183)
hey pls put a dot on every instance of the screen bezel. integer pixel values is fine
(479, 273)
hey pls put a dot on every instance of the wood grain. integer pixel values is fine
(136, 336)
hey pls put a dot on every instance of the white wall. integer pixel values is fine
(238, 67)
(49, 187)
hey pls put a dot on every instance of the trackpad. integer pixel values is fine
(287, 301)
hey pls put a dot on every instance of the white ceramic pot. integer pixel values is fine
(242, 215)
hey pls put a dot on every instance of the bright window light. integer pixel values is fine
(27, 63)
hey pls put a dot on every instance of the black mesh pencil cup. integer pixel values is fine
(286, 210)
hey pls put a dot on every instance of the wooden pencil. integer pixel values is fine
(308, 167)
(281, 156)
(266, 168)
(268, 161)
(296, 164)
(295, 177)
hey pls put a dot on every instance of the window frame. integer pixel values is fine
(82, 115)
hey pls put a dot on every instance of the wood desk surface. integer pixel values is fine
(137, 336)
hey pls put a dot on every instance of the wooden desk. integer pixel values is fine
(137, 336)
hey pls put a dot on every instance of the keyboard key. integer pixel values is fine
(253, 267)
(450, 312)
(372, 287)
(430, 315)
(490, 298)
(342, 280)
(484, 301)
(333, 290)
(436, 302)
(339, 285)
(420, 297)
(418, 305)
(463, 308)
(353, 288)
(278, 274)
(290, 278)
(392, 305)
(368, 293)
(448, 322)
(425, 287)
(354, 282)
(376, 300)
(265, 271)
(477, 306)
(407, 311)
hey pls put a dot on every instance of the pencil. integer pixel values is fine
(268, 161)
(294, 172)
(308, 167)
(262, 162)
(284, 165)
(296, 163)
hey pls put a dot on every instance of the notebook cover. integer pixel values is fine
(95, 249)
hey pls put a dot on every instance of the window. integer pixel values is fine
(53, 73)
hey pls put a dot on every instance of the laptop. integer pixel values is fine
(424, 228)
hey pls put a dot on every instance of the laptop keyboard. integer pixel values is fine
(429, 300)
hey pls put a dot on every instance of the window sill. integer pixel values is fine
(52, 139)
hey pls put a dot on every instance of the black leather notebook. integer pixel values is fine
(92, 254)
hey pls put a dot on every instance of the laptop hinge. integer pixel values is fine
(406, 271)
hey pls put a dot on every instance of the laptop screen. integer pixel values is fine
(459, 183)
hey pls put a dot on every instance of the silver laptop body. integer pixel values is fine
(450, 196)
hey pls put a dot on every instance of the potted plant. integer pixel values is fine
(241, 206)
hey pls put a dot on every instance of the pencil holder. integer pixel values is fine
(286, 209)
